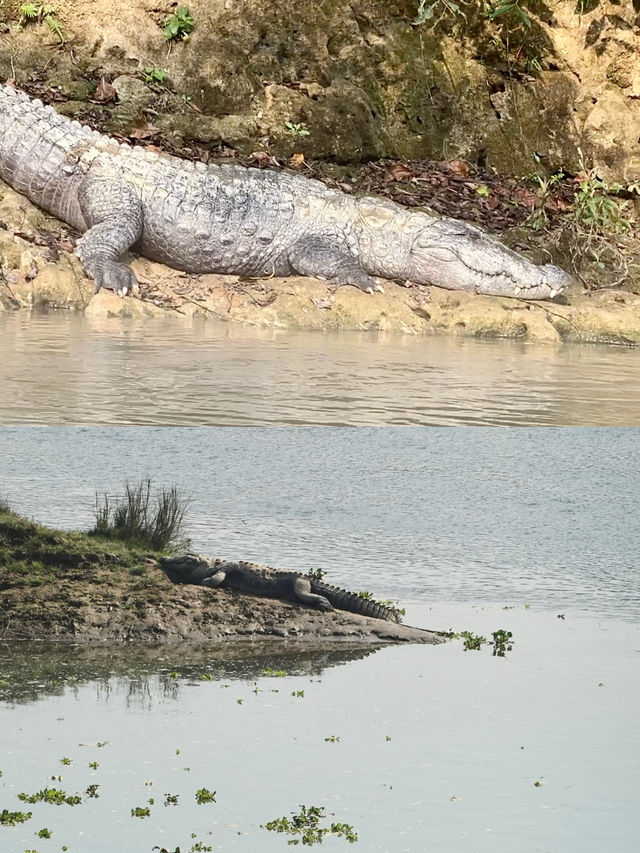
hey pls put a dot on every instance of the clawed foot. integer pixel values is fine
(116, 277)
(109, 274)
(362, 280)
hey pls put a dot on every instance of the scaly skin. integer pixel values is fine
(229, 219)
(254, 579)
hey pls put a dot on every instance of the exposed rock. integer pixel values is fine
(362, 78)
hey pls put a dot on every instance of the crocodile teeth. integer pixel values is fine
(552, 293)
(517, 290)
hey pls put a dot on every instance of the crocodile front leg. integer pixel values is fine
(215, 580)
(113, 213)
(302, 592)
(319, 257)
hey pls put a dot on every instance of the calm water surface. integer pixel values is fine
(65, 369)
(533, 531)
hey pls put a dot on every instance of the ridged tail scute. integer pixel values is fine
(354, 603)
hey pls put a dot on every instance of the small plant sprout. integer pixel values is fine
(65, 760)
(179, 25)
(497, 10)
(203, 795)
(297, 129)
(154, 75)
(41, 13)
(434, 10)
(332, 739)
(316, 574)
(94, 765)
(593, 208)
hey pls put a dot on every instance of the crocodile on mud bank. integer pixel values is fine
(255, 579)
(235, 220)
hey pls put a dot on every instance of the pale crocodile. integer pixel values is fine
(230, 219)
(255, 579)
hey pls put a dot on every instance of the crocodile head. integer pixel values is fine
(457, 256)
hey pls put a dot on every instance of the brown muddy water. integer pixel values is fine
(66, 369)
(532, 531)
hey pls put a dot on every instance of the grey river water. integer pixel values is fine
(66, 369)
(419, 748)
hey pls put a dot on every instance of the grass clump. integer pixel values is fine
(142, 517)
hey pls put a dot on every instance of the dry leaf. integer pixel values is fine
(104, 92)
(146, 132)
(459, 168)
(559, 204)
(397, 172)
(261, 158)
(526, 197)
(297, 161)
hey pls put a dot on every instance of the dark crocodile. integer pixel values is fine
(230, 219)
(254, 579)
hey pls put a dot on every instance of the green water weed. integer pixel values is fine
(502, 643)
(203, 795)
(8, 818)
(306, 824)
(140, 811)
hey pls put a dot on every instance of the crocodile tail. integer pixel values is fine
(343, 599)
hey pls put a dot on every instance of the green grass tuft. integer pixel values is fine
(142, 517)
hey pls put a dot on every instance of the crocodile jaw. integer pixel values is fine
(456, 256)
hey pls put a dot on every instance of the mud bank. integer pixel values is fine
(38, 271)
(59, 585)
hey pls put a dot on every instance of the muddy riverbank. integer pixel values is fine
(58, 585)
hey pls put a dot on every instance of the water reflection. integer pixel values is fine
(67, 369)
(141, 672)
